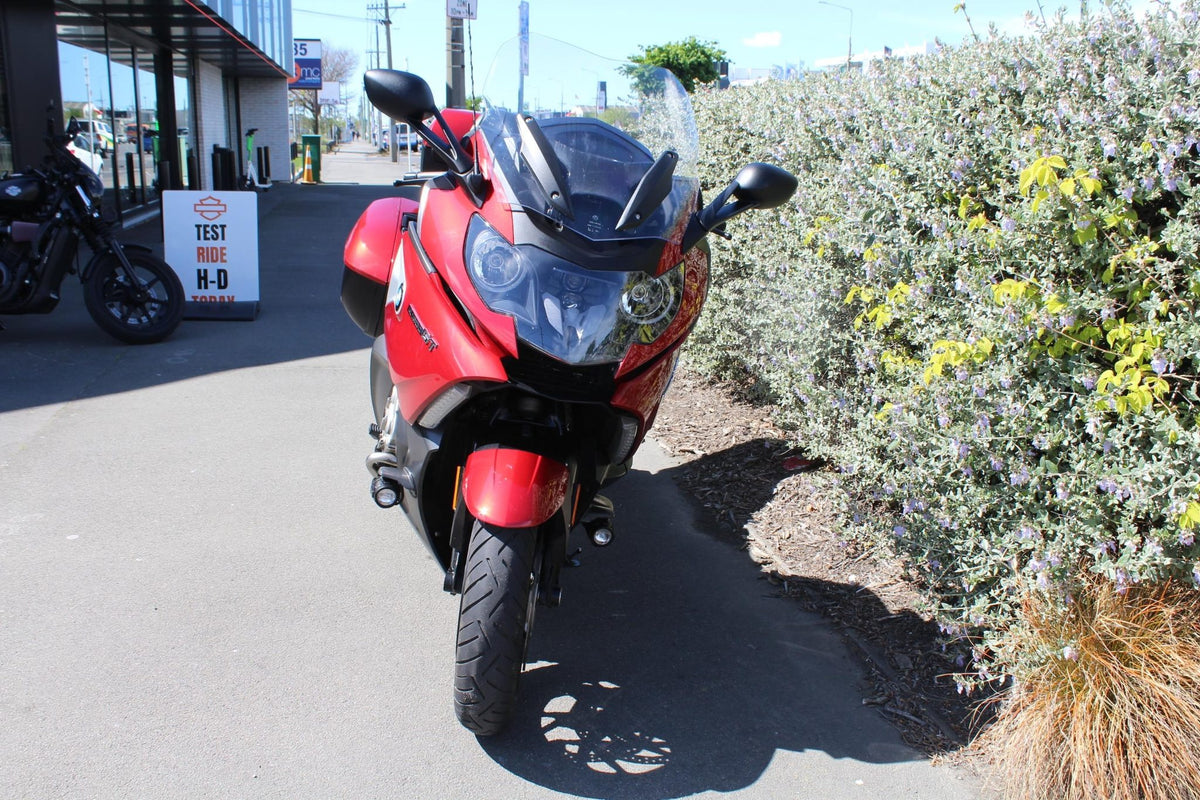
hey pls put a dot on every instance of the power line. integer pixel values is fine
(327, 14)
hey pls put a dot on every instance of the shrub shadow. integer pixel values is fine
(905, 654)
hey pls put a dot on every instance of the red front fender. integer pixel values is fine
(513, 488)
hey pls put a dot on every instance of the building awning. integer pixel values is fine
(187, 26)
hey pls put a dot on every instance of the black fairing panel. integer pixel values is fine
(364, 300)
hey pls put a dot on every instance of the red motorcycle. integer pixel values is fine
(528, 313)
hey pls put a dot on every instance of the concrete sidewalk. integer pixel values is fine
(360, 162)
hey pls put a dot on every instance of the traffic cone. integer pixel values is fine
(307, 175)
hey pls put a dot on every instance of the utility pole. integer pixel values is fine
(456, 83)
(387, 24)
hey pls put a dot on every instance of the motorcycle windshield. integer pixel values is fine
(573, 135)
(599, 153)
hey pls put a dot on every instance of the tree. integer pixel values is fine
(337, 64)
(691, 60)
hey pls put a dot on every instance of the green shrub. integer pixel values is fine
(981, 305)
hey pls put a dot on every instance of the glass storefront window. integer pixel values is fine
(6, 158)
(184, 127)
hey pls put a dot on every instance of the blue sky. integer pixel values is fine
(755, 33)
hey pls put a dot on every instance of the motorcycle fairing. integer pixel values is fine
(430, 344)
(371, 245)
(442, 228)
(368, 258)
(513, 488)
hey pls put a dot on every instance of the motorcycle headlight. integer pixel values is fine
(575, 314)
(495, 264)
(93, 184)
(652, 301)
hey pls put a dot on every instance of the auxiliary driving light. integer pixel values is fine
(601, 536)
(385, 493)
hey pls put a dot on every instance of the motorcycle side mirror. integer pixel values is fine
(757, 185)
(407, 97)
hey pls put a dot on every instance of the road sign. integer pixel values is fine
(461, 9)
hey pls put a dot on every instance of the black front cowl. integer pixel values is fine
(549, 377)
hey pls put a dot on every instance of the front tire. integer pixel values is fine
(495, 618)
(139, 308)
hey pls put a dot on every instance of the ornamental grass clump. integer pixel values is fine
(1112, 709)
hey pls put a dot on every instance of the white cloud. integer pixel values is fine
(764, 39)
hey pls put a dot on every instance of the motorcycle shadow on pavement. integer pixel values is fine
(673, 668)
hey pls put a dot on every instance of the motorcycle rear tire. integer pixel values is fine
(118, 310)
(495, 618)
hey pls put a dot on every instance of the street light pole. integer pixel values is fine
(850, 36)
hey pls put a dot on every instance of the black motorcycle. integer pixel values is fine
(131, 293)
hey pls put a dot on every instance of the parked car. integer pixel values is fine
(84, 148)
(100, 131)
(410, 141)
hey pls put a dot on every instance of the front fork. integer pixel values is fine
(502, 487)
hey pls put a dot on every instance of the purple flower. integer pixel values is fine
(1019, 478)
(1008, 225)
(1159, 365)
(1070, 653)
(899, 531)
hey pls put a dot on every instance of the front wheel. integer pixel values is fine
(139, 306)
(495, 618)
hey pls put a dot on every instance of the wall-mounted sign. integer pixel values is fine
(211, 241)
(306, 56)
(330, 93)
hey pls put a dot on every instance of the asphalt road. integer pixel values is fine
(198, 599)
